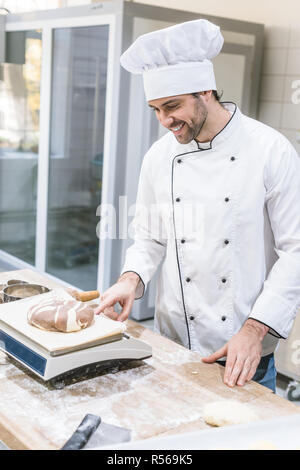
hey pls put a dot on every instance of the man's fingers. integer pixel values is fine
(237, 370)
(111, 313)
(106, 303)
(106, 307)
(125, 310)
(245, 372)
(231, 379)
(230, 363)
(252, 370)
(216, 355)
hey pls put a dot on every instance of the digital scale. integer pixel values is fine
(52, 355)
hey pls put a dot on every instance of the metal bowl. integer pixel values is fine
(10, 282)
(1, 293)
(15, 281)
(22, 291)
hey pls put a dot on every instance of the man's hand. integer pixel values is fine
(243, 353)
(123, 291)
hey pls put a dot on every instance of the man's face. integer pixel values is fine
(184, 115)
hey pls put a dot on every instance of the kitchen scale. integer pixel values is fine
(55, 355)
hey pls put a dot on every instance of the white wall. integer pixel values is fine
(269, 12)
(279, 101)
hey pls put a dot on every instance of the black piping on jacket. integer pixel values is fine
(172, 194)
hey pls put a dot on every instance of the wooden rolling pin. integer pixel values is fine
(84, 296)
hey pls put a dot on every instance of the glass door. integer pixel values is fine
(19, 143)
(78, 95)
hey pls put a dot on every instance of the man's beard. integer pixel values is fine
(191, 132)
(193, 129)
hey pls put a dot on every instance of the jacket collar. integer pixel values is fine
(226, 135)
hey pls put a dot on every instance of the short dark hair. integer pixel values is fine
(217, 95)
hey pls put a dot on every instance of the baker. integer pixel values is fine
(225, 192)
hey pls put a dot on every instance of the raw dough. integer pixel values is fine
(226, 412)
(263, 445)
(60, 315)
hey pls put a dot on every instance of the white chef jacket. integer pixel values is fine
(241, 257)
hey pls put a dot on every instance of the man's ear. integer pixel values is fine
(206, 95)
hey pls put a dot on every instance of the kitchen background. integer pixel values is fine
(281, 55)
(50, 187)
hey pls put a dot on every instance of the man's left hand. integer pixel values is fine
(243, 353)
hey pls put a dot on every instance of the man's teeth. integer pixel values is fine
(177, 128)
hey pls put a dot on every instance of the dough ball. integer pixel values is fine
(263, 445)
(226, 412)
(60, 315)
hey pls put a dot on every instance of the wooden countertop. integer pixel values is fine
(161, 395)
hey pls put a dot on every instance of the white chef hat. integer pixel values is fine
(175, 60)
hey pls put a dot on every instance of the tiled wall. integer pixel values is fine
(279, 101)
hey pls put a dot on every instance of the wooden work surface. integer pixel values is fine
(162, 395)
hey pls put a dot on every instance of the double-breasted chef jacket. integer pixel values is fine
(240, 256)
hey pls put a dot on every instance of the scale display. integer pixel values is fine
(22, 353)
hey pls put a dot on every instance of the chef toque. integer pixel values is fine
(175, 60)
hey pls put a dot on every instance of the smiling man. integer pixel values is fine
(191, 116)
(230, 286)
(190, 113)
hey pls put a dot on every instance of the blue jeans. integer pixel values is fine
(265, 373)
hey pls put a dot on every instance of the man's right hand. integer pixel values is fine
(123, 291)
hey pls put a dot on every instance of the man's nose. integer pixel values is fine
(165, 120)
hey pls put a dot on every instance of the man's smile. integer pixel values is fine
(177, 129)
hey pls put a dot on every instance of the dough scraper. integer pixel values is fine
(92, 432)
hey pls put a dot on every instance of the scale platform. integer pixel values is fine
(50, 355)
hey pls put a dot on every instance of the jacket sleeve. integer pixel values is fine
(148, 249)
(279, 301)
